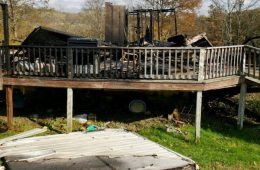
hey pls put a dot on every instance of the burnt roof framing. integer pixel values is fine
(140, 12)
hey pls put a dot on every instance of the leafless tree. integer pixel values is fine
(94, 15)
(233, 10)
(18, 8)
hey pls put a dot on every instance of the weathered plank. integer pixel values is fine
(156, 85)
(149, 85)
(23, 135)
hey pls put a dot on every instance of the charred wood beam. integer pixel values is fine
(5, 23)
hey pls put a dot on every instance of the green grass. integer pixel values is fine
(220, 147)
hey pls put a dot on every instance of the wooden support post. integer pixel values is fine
(198, 115)
(241, 108)
(69, 109)
(9, 105)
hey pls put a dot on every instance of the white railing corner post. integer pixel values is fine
(243, 62)
(202, 58)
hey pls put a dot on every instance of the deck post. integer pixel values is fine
(201, 64)
(241, 108)
(9, 105)
(70, 70)
(198, 115)
(69, 109)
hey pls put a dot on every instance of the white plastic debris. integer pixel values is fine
(81, 118)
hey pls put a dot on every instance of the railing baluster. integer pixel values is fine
(235, 61)
(188, 64)
(82, 70)
(259, 64)
(50, 63)
(76, 64)
(140, 64)
(94, 63)
(176, 64)
(145, 63)
(70, 57)
(241, 58)
(23, 61)
(217, 63)
(254, 74)
(56, 62)
(249, 62)
(110, 59)
(170, 65)
(34, 61)
(127, 65)
(182, 64)
(14, 70)
(206, 69)
(134, 64)
(116, 69)
(88, 65)
(221, 63)
(225, 62)
(238, 56)
(98, 61)
(151, 64)
(211, 63)
(163, 69)
(29, 61)
(63, 64)
(44, 63)
(229, 61)
(157, 64)
(195, 69)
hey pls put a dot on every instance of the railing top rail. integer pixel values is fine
(106, 47)
(218, 47)
(248, 46)
(130, 48)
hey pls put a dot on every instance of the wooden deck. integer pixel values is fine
(129, 68)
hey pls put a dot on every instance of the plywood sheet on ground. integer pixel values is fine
(111, 149)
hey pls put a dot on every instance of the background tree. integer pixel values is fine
(18, 9)
(233, 12)
(94, 14)
(186, 15)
